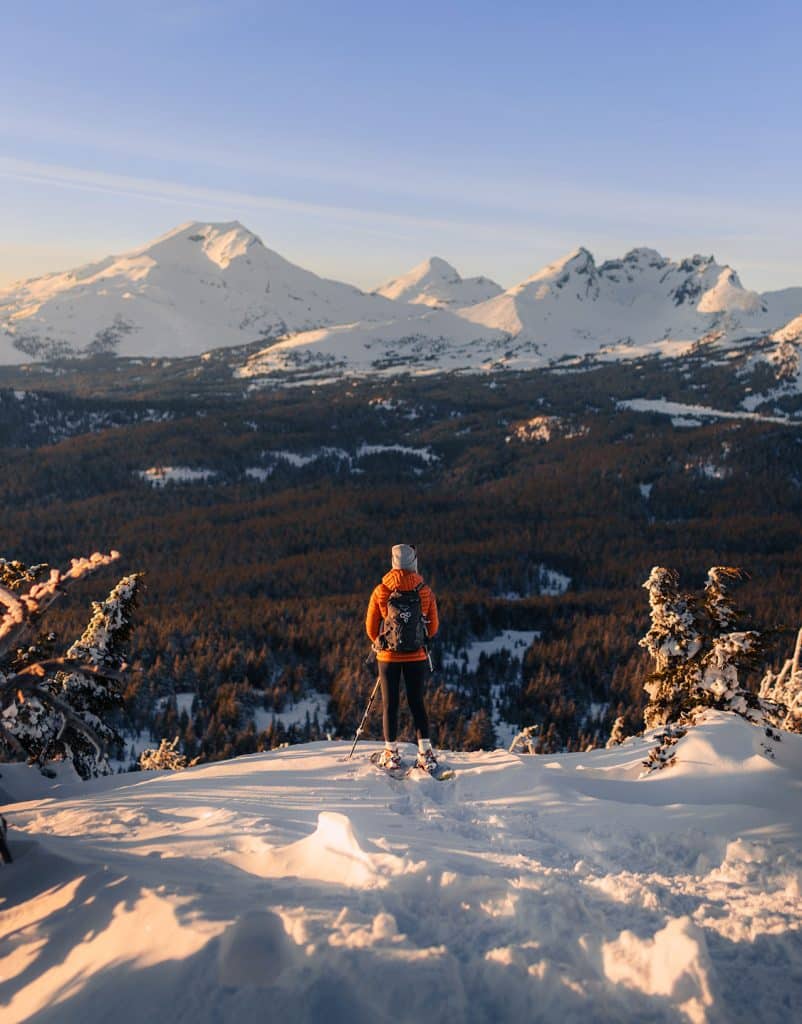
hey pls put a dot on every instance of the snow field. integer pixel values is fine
(160, 476)
(297, 886)
(684, 415)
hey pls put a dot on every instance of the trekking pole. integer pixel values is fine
(361, 728)
(5, 854)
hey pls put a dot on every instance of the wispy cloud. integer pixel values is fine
(503, 192)
(160, 190)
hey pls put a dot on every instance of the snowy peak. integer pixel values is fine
(199, 287)
(220, 244)
(436, 283)
(729, 295)
(574, 306)
(552, 279)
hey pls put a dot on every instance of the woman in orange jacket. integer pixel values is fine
(396, 659)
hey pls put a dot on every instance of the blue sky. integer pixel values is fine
(359, 138)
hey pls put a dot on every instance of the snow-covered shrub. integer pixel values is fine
(57, 707)
(525, 740)
(664, 753)
(618, 734)
(781, 693)
(166, 758)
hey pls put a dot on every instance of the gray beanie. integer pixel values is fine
(405, 557)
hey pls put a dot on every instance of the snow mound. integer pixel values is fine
(256, 950)
(673, 963)
(333, 853)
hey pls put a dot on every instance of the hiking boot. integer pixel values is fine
(389, 759)
(426, 760)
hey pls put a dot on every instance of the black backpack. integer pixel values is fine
(404, 629)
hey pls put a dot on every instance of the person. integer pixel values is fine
(408, 664)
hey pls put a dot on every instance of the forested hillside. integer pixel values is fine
(536, 501)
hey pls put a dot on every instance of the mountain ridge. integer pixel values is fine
(205, 287)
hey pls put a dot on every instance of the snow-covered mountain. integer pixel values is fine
(436, 283)
(641, 304)
(216, 286)
(561, 887)
(574, 307)
(199, 287)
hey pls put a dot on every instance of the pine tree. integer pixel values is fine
(698, 657)
(56, 707)
(674, 642)
(95, 697)
(728, 651)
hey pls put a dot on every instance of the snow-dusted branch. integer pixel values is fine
(33, 690)
(24, 609)
(59, 706)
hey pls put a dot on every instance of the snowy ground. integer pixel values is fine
(294, 886)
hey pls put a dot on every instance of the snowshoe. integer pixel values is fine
(427, 762)
(389, 761)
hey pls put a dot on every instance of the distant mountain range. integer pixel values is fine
(203, 287)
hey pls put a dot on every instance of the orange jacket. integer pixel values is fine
(400, 579)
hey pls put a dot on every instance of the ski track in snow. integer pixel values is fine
(307, 888)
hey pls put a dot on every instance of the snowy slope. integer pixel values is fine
(436, 283)
(418, 341)
(299, 886)
(199, 287)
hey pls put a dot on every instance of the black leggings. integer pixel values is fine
(414, 673)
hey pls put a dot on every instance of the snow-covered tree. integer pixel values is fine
(698, 656)
(674, 642)
(728, 651)
(57, 707)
